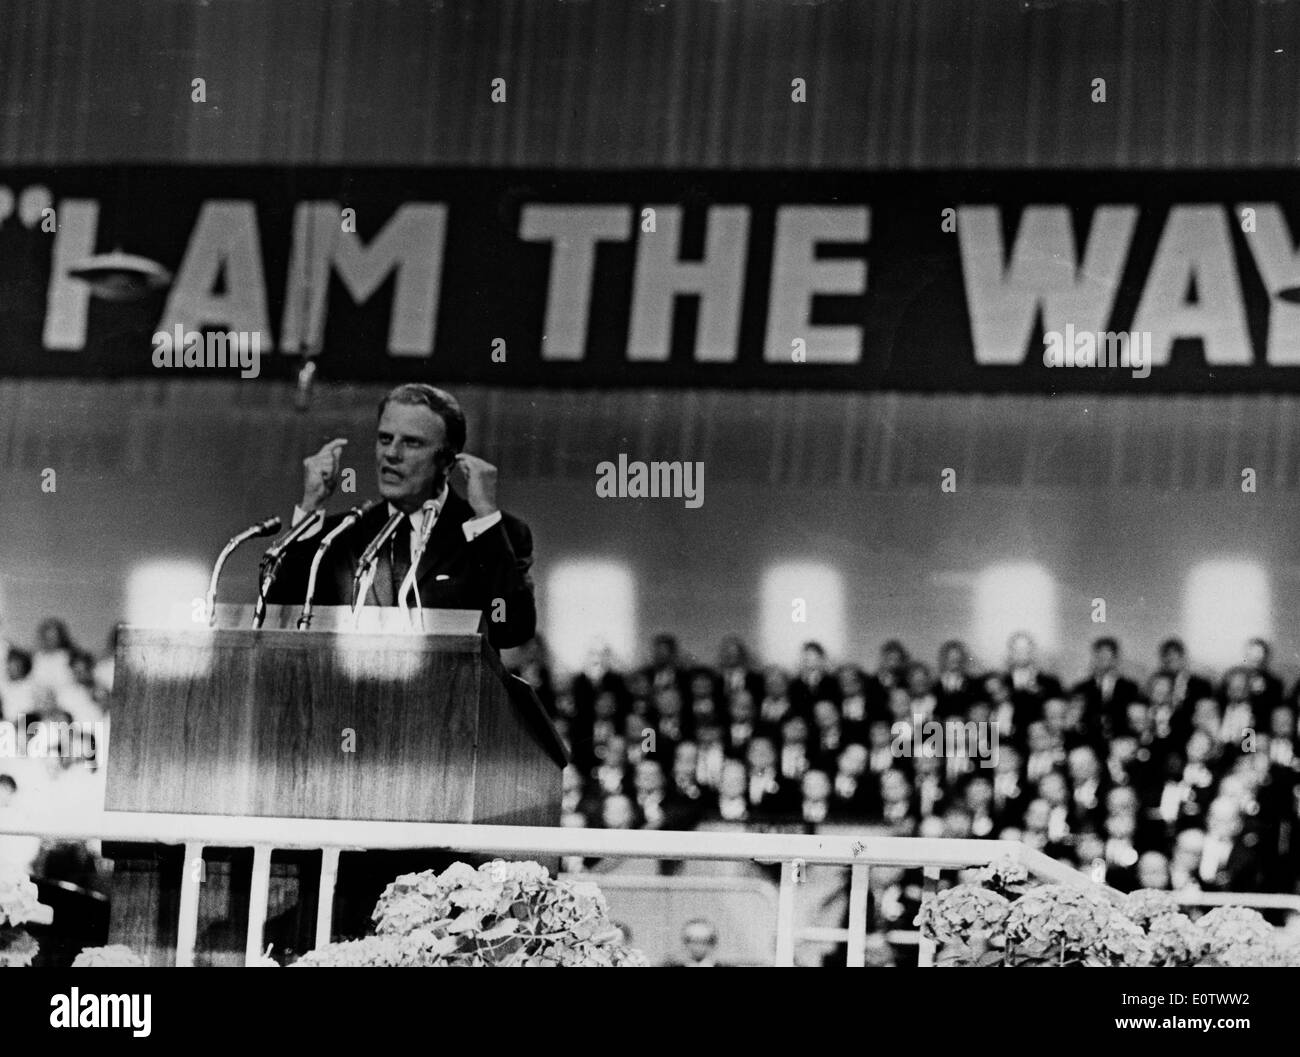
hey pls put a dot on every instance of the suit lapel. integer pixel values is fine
(445, 541)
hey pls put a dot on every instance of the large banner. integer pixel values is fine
(984, 282)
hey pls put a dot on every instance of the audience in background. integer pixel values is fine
(55, 685)
(1175, 782)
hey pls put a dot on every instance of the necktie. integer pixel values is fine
(401, 555)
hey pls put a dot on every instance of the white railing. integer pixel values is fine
(792, 851)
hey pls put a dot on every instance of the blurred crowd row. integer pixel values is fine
(1180, 781)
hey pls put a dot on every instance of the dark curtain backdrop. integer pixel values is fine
(644, 83)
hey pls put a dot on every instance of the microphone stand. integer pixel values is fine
(410, 585)
(371, 555)
(349, 519)
(262, 528)
(274, 556)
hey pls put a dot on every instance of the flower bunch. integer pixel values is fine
(1146, 904)
(1122, 943)
(421, 948)
(17, 948)
(1238, 936)
(1176, 940)
(19, 900)
(1064, 923)
(114, 956)
(1006, 876)
(502, 913)
(19, 905)
(957, 913)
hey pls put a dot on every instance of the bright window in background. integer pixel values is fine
(163, 593)
(590, 605)
(1011, 597)
(1227, 602)
(809, 590)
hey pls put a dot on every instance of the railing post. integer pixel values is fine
(187, 927)
(329, 872)
(258, 893)
(925, 949)
(791, 875)
(859, 885)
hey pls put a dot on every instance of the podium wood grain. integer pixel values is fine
(309, 724)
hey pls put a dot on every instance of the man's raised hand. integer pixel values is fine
(320, 475)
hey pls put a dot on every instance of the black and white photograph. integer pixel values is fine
(650, 483)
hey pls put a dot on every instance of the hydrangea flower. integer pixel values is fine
(1067, 921)
(1176, 940)
(114, 956)
(1239, 936)
(954, 914)
(1123, 943)
(502, 913)
(1147, 903)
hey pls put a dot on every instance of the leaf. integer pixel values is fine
(506, 927)
(469, 921)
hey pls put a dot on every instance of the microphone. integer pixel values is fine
(371, 554)
(349, 519)
(263, 528)
(270, 565)
(430, 510)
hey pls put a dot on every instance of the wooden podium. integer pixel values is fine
(380, 720)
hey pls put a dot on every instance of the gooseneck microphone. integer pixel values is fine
(349, 519)
(371, 554)
(269, 527)
(274, 555)
(409, 585)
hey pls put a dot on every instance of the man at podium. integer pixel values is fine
(476, 556)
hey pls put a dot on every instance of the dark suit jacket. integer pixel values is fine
(1113, 712)
(454, 573)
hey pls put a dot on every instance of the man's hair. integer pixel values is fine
(439, 401)
(1176, 645)
(23, 660)
(8, 782)
(1106, 642)
(706, 923)
(59, 627)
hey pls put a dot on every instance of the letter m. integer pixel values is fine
(669, 476)
(115, 1011)
(409, 245)
(962, 738)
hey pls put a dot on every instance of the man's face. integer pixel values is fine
(816, 785)
(616, 812)
(1021, 650)
(699, 942)
(649, 778)
(410, 457)
(762, 756)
